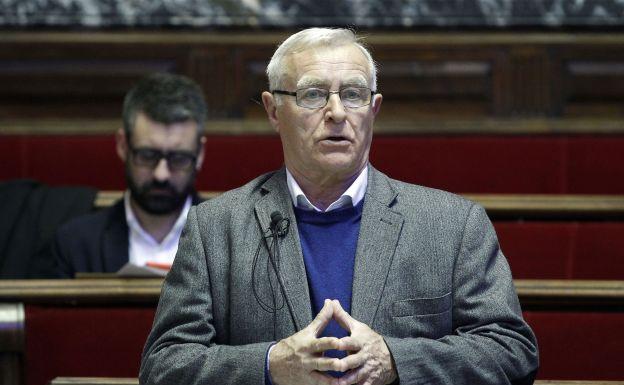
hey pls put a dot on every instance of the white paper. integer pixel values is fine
(131, 270)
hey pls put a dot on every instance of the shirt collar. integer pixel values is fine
(351, 197)
(134, 225)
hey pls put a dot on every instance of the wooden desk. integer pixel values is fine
(561, 206)
(533, 293)
(97, 327)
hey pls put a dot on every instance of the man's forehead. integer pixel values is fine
(326, 65)
(178, 134)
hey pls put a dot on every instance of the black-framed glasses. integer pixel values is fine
(150, 157)
(312, 97)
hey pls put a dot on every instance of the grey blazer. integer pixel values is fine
(429, 276)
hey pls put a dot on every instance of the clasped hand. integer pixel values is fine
(299, 358)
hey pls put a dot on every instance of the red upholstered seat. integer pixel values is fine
(466, 164)
(563, 250)
(579, 345)
(107, 342)
(84, 341)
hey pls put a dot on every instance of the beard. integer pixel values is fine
(159, 198)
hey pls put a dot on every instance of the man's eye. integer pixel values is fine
(351, 94)
(179, 158)
(313, 93)
(148, 155)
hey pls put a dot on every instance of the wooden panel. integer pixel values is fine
(592, 82)
(596, 79)
(83, 291)
(531, 86)
(550, 294)
(423, 81)
(550, 206)
(111, 291)
(95, 381)
(257, 123)
(75, 80)
(500, 205)
(251, 63)
(211, 69)
(420, 89)
(437, 76)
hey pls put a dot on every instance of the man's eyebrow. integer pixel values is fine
(311, 82)
(358, 81)
(355, 82)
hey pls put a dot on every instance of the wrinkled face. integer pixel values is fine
(160, 189)
(331, 142)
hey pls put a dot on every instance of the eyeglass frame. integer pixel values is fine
(163, 155)
(329, 93)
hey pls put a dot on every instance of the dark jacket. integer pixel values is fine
(97, 242)
(94, 243)
(30, 213)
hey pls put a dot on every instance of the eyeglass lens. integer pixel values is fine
(317, 97)
(176, 160)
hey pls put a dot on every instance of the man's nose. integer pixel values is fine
(162, 172)
(335, 110)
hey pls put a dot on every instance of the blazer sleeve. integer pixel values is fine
(182, 346)
(61, 259)
(490, 343)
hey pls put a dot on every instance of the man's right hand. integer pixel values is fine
(299, 359)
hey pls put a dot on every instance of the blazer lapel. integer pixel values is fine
(277, 198)
(379, 234)
(115, 241)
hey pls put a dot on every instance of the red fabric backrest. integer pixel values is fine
(479, 164)
(84, 341)
(563, 250)
(579, 345)
(107, 342)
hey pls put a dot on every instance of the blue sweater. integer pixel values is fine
(328, 242)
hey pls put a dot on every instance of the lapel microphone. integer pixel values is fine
(277, 299)
(279, 225)
(278, 228)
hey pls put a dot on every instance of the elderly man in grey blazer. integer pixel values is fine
(328, 271)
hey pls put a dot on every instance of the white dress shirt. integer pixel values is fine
(351, 197)
(143, 247)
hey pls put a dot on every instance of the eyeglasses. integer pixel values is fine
(150, 157)
(351, 97)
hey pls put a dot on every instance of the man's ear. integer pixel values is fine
(200, 154)
(270, 106)
(121, 144)
(377, 99)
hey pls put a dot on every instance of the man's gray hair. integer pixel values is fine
(315, 38)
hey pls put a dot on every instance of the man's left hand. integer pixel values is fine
(369, 361)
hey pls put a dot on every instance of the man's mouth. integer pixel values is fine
(160, 191)
(335, 139)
